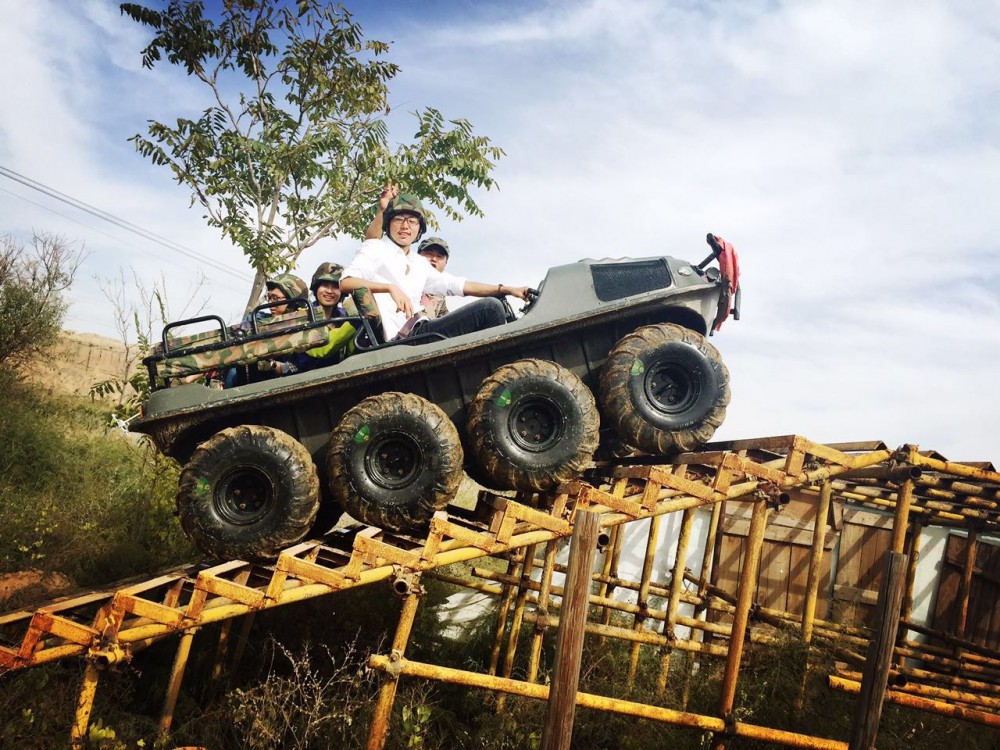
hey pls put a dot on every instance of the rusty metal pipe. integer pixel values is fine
(815, 561)
(175, 681)
(84, 705)
(922, 704)
(744, 598)
(613, 705)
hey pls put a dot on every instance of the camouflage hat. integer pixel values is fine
(405, 203)
(327, 272)
(434, 242)
(290, 285)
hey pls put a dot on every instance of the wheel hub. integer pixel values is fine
(535, 424)
(393, 461)
(244, 495)
(671, 388)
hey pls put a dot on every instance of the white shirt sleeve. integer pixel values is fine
(442, 282)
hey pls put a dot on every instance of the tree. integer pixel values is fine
(302, 150)
(130, 386)
(32, 282)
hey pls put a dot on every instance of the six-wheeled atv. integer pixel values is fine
(611, 350)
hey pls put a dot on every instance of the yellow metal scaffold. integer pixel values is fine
(920, 489)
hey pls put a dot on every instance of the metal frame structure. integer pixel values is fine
(948, 675)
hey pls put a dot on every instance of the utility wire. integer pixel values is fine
(119, 222)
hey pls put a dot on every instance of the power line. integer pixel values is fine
(117, 221)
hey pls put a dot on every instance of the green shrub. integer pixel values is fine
(94, 504)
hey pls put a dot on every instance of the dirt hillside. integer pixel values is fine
(78, 360)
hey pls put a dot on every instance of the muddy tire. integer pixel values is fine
(394, 460)
(247, 493)
(664, 389)
(532, 425)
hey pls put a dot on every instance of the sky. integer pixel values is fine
(849, 150)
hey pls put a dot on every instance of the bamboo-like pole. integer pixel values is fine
(613, 705)
(923, 704)
(545, 587)
(713, 579)
(902, 517)
(816, 561)
(84, 705)
(175, 681)
(515, 625)
(701, 607)
(558, 731)
(387, 692)
(707, 567)
(514, 566)
(868, 708)
(676, 586)
(967, 697)
(610, 569)
(744, 598)
(644, 582)
(614, 552)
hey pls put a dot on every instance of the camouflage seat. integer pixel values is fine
(194, 354)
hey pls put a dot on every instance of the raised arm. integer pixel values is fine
(374, 231)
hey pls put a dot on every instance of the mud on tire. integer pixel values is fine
(664, 389)
(394, 460)
(248, 492)
(532, 425)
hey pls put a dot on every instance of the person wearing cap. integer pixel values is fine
(436, 251)
(325, 287)
(398, 277)
(285, 293)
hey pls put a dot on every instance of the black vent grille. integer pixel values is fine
(617, 280)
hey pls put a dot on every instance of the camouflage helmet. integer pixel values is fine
(290, 285)
(327, 272)
(435, 242)
(405, 203)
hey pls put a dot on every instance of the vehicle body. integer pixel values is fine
(581, 313)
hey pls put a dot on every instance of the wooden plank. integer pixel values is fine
(949, 583)
(729, 563)
(779, 534)
(855, 594)
(848, 571)
(868, 518)
(798, 578)
(773, 576)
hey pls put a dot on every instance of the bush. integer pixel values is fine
(75, 498)
(31, 295)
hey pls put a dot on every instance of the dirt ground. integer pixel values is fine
(78, 361)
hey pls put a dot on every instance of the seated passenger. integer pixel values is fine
(286, 292)
(435, 250)
(398, 278)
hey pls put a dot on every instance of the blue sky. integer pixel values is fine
(850, 151)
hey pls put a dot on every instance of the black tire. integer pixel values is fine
(664, 389)
(532, 425)
(247, 493)
(394, 460)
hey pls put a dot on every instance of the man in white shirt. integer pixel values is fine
(398, 276)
